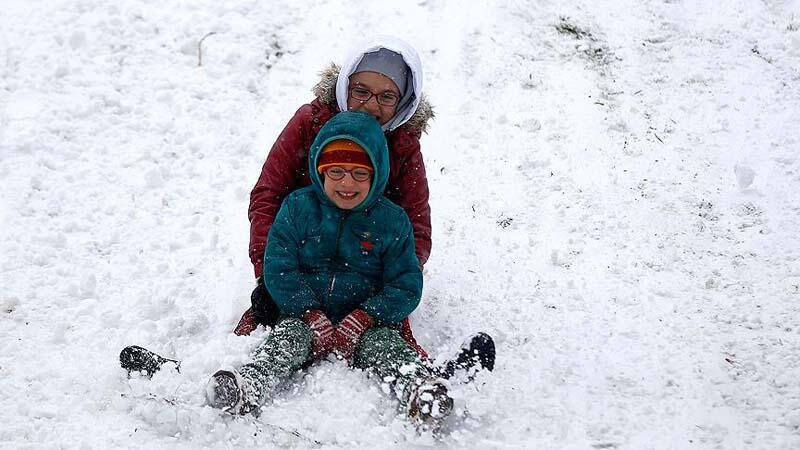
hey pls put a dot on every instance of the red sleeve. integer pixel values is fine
(409, 188)
(282, 173)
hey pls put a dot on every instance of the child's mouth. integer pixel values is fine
(347, 195)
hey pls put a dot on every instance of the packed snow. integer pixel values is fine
(615, 198)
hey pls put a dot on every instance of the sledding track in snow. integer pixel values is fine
(585, 205)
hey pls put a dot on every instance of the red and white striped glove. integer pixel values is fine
(349, 332)
(324, 333)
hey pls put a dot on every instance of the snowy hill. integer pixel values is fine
(615, 196)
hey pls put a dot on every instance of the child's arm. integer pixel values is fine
(278, 178)
(402, 278)
(282, 276)
(409, 188)
(413, 186)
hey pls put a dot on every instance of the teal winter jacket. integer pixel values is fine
(321, 257)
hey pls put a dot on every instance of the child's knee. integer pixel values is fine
(381, 337)
(292, 330)
(380, 346)
(291, 325)
(289, 344)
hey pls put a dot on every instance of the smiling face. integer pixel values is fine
(346, 193)
(377, 84)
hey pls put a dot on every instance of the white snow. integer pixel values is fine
(588, 213)
(744, 175)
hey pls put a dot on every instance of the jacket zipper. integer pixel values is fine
(335, 255)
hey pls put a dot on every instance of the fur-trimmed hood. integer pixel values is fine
(325, 89)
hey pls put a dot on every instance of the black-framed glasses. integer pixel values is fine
(385, 98)
(336, 173)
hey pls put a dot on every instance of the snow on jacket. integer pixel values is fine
(286, 168)
(319, 256)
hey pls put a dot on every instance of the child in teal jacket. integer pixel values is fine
(337, 254)
(341, 267)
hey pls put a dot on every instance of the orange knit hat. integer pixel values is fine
(343, 151)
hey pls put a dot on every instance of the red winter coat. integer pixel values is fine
(286, 170)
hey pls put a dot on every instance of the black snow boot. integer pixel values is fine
(478, 353)
(138, 359)
(228, 391)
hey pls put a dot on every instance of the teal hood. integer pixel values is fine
(365, 131)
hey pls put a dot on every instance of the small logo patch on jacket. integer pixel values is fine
(366, 244)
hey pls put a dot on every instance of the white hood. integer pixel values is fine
(370, 45)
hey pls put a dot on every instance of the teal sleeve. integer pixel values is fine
(282, 276)
(402, 278)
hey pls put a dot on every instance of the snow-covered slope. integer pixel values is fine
(614, 193)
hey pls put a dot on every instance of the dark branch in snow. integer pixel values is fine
(200, 48)
(757, 52)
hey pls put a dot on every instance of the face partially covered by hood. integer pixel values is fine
(363, 130)
(412, 91)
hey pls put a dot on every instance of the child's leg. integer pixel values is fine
(390, 357)
(283, 352)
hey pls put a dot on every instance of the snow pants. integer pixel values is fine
(382, 351)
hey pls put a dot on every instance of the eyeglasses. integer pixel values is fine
(336, 173)
(385, 98)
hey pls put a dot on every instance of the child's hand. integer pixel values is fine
(247, 324)
(323, 341)
(349, 332)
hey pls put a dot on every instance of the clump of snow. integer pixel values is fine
(744, 175)
(9, 304)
